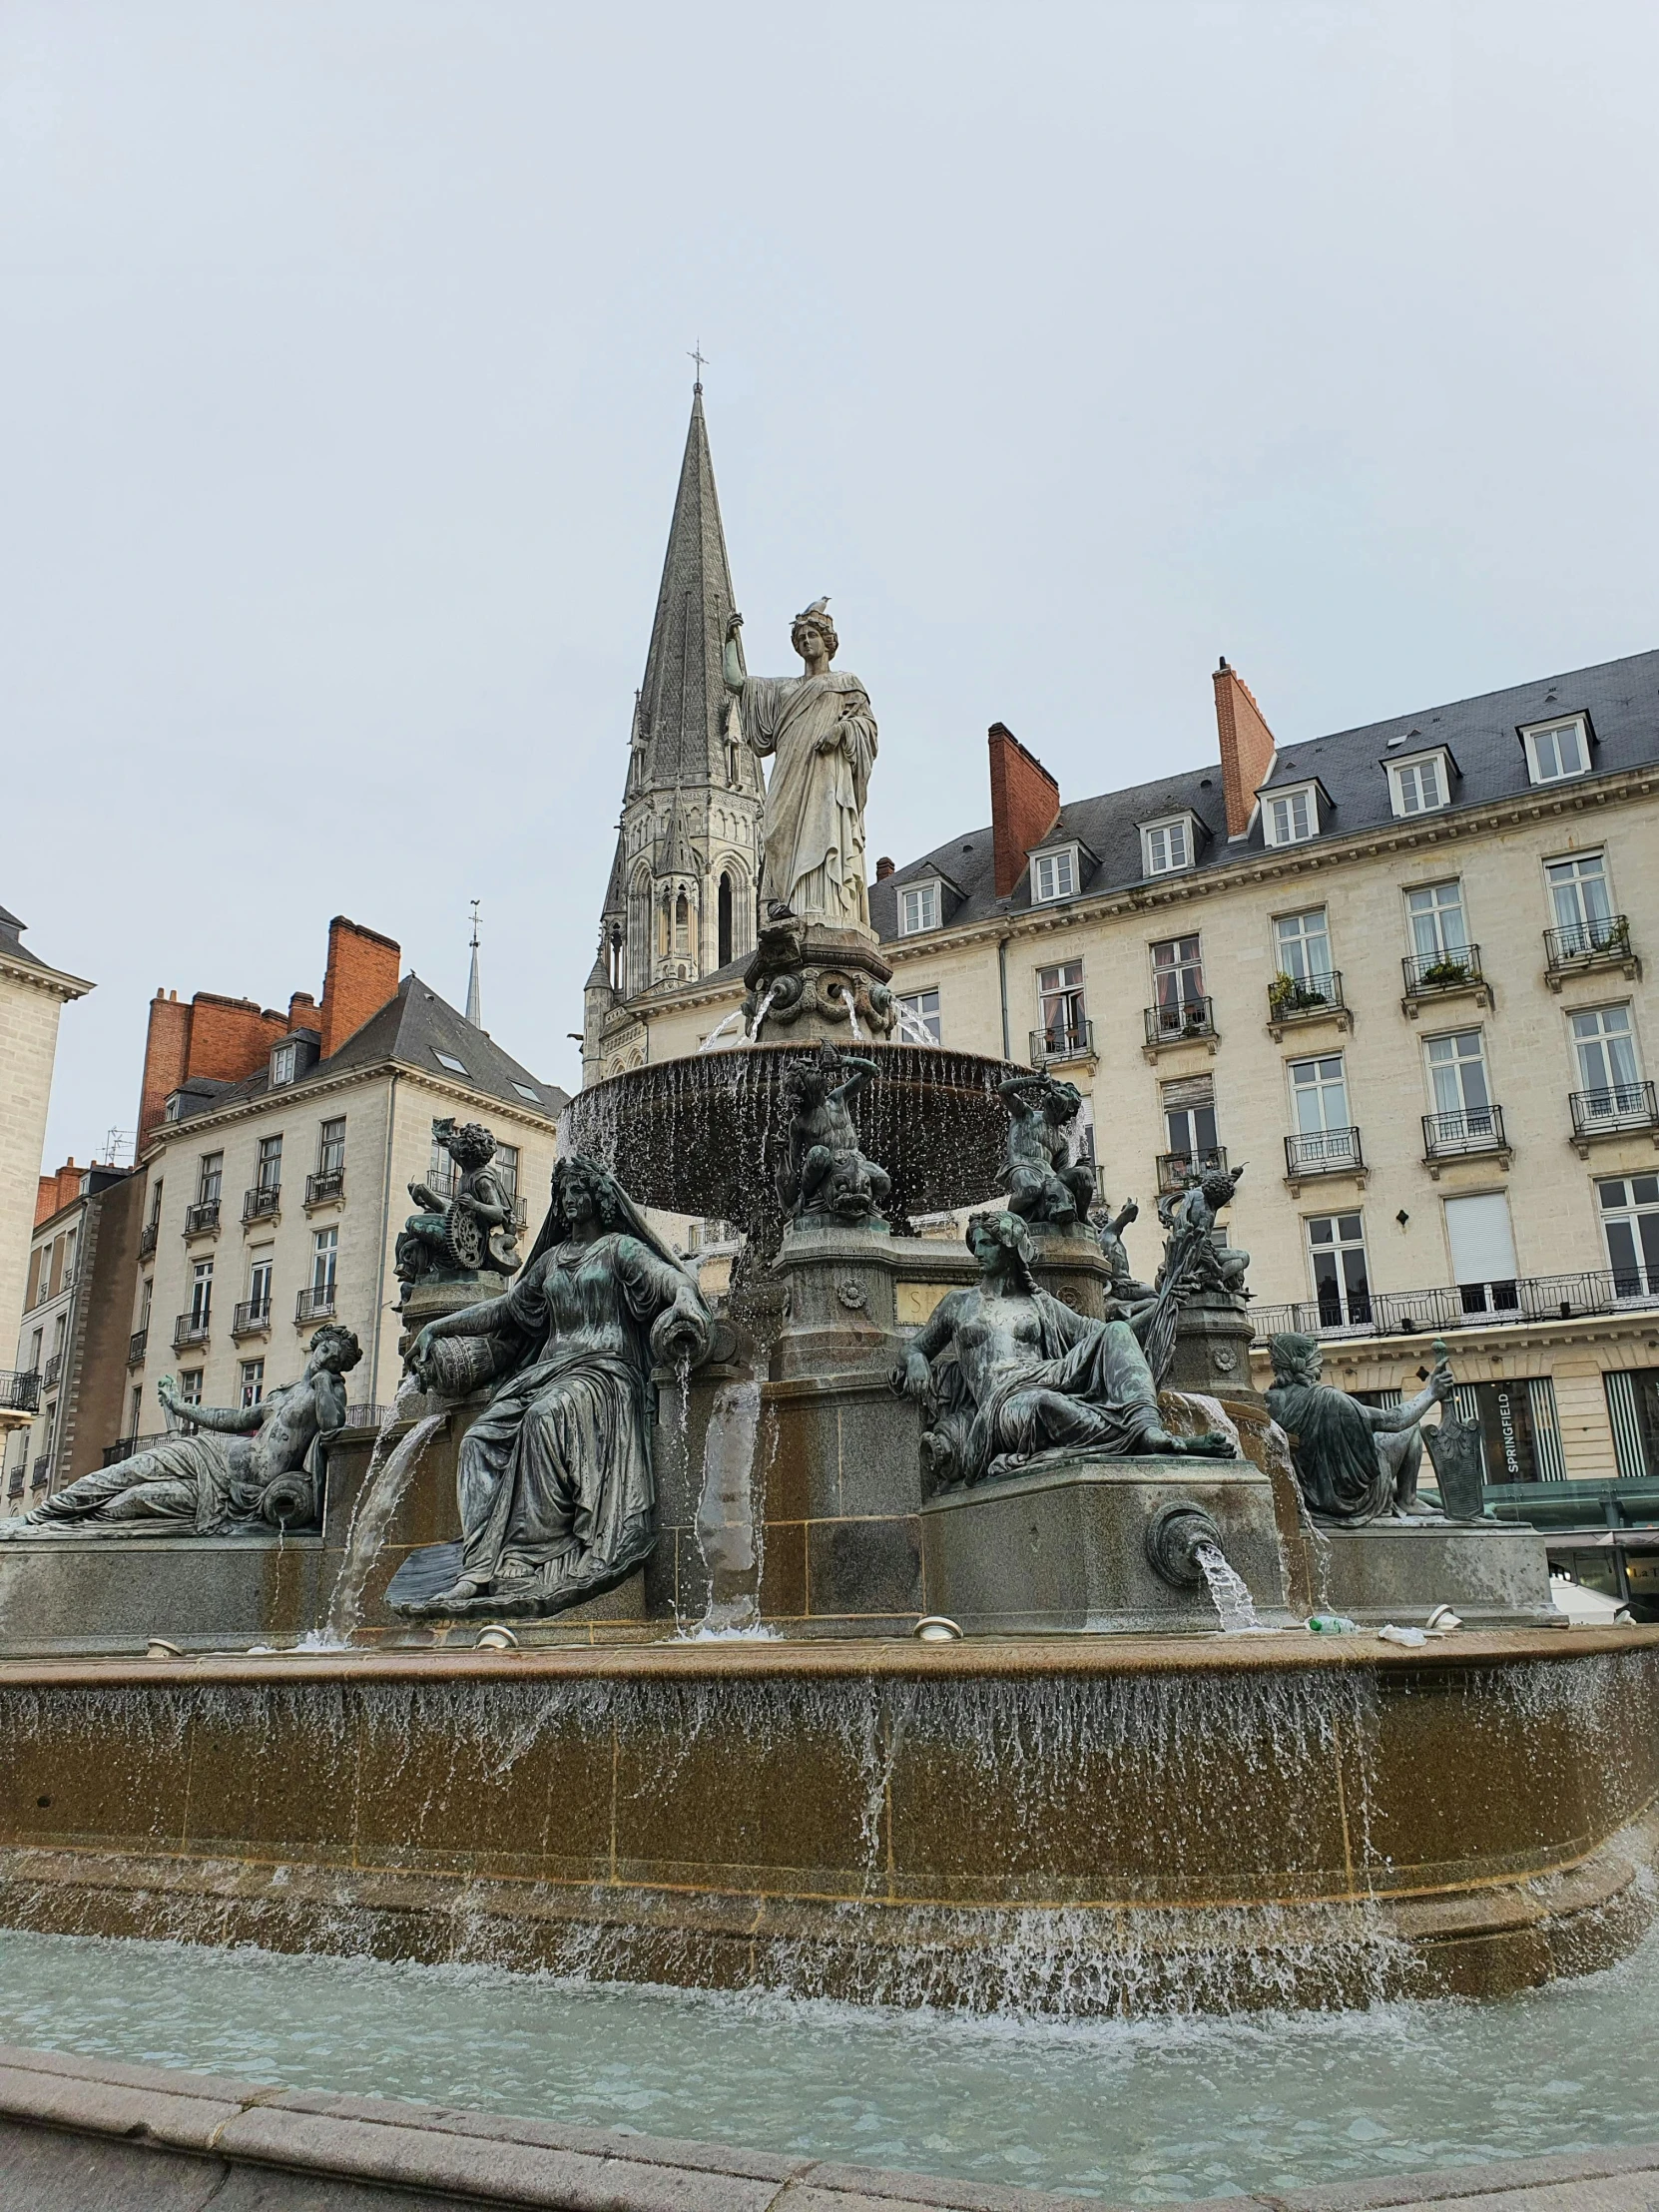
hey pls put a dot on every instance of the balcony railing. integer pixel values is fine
(1538, 1298)
(252, 1318)
(19, 1390)
(125, 1447)
(1306, 998)
(1062, 1041)
(1473, 1129)
(316, 1304)
(53, 1368)
(40, 1470)
(1194, 1017)
(325, 1184)
(14, 1482)
(1602, 940)
(1176, 1170)
(1624, 1106)
(1458, 969)
(202, 1219)
(146, 1239)
(1322, 1152)
(261, 1204)
(137, 1345)
(189, 1329)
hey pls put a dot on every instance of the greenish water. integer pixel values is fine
(1135, 2111)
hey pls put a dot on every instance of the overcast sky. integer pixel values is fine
(345, 385)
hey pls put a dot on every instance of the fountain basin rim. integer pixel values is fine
(843, 1659)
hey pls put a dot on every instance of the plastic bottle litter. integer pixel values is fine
(1332, 1624)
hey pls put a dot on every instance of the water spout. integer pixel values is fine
(720, 1029)
(1229, 1592)
(764, 1008)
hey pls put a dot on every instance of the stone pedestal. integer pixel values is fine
(1071, 1266)
(1492, 1576)
(434, 1296)
(1212, 1350)
(1063, 1551)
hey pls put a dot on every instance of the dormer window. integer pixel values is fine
(1557, 749)
(1168, 847)
(174, 1108)
(1054, 875)
(284, 1063)
(919, 909)
(1421, 783)
(1289, 817)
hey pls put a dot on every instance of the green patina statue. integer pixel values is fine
(469, 1233)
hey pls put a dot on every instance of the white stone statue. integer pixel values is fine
(821, 733)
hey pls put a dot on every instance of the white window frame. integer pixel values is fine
(1292, 948)
(929, 904)
(324, 1259)
(1605, 1040)
(284, 1063)
(914, 1004)
(1169, 845)
(1405, 778)
(252, 1384)
(1063, 866)
(1349, 1296)
(1536, 768)
(1286, 795)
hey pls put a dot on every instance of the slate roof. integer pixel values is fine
(12, 945)
(1621, 699)
(413, 1028)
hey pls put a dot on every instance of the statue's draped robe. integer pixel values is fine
(183, 1486)
(557, 1496)
(1334, 1447)
(1079, 1384)
(813, 823)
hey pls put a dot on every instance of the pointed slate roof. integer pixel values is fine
(681, 711)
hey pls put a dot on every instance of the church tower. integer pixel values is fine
(681, 899)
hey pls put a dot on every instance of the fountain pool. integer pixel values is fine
(1136, 2112)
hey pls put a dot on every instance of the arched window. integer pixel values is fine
(725, 920)
(682, 924)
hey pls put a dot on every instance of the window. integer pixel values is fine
(1608, 1074)
(212, 1178)
(173, 1109)
(1630, 1227)
(189, 1386)
(918, 1013)
(269, 1172)
(919, 909)
(284, 1063)
(1420, 786)
(252, 1382)
(1290, 817)
(524, 1091)
(202, 1293)
(1190, 1116)
(1342, 1280)
(156, 1202)
(682, 924)
(1580, 902)
(1060, 1005)
(1318, 1096)
(147, 1293)
(1439, 929)
(1177, 975)
(1555, 750)
(325, 1255)
(1458, 1078)
(259, 1288)
(1303, 945)
(723, 918)
(1482, 1252)
(331, 1148)
(1166, 847)
(1633, 1412)
(134, 1409)
(1053, 876)
(36, 1342)
(449, 1061)
(505, 1165)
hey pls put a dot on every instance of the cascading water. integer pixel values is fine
(911, 1028)
(713, 1038)
(1229, 1592)
(728, 1534)
(382, 1490)
(763, 1009)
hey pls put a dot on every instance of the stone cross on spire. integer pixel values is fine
(474, 997)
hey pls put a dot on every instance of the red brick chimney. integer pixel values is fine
(57, 1190)
(1247, 746)
(362, 975)
(166, 1057)
(229, 1038)
(883, 868)
(1025, 806)
(302, 1013)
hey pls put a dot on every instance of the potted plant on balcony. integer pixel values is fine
(1292, 994)
(1446, 972)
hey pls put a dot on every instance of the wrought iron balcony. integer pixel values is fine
(1322, 1152)
(1062, 1041)
(1444, 975)
(146, 1239)
(262, 1203)
(1473, 1129)
(20, 1390)
(521, 1213)
(252, 1318)
(201, 1219)
(1193, 1017)
(325, 1184)
(1605, 1113)
(53, 1368)
(189, 1329)
(40, 1470)
(137, 1343)
(316, 1304)
(1538, 1298)
(1176, 1170)
(1314, 997)
(1601, 942)
(14, 1483)
(125, 1447)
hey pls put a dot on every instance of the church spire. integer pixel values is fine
(682, 718)
(474, 997)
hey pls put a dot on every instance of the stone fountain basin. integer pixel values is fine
(1067, 1825)
(702, 1135)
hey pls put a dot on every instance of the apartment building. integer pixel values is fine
(1403, 972)
(274, 1156)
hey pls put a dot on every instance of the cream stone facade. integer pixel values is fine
(32, 996)
(1507, 1060)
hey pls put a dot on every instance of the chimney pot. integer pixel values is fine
(1025, 806)
(1247, 746)
(883, 868)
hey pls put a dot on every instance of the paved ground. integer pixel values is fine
(87, 2136)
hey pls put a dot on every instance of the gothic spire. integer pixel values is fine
(680, 731)
(474, 997)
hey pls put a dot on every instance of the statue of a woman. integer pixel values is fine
(1354, 1462)
(821, 733)
(557, 1497)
